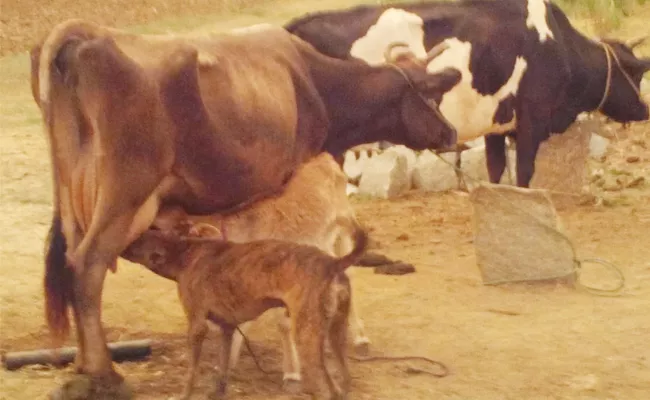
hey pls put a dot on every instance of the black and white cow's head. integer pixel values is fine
(622, 100)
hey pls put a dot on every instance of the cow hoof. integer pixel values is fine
(292, 386)
(398, 268)
(217, 394)
(373, 260)
(83, 387)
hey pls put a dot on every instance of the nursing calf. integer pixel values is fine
(313, 210)
(231, 283)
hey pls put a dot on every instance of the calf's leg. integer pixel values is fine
(309, 327)
(224, 360)
(195, 337)
(291, 379)
(361, 339)
(338, 333)
(237, 341)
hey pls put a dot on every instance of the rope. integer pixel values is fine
(609, 54)
(578, 264)
(608, 80)
(250, 350)
(410, 370)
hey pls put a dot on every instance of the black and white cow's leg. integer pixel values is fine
(495, 154)
(530, 133)
(460, 179)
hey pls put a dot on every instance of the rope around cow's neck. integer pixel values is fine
(608, 80)
(609, 54)
(616, 291)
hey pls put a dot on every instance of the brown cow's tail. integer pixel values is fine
(58, 283)
(360, 245)
(45, 69)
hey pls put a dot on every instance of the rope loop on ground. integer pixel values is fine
(613, 292)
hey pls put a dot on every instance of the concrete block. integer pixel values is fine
(385, 176)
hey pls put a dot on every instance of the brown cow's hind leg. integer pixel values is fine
(97, 380)
(93, 358)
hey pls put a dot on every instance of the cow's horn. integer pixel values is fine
(632, 43)
(436, 51)
(387, 54)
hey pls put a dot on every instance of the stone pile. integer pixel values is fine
(561, 165)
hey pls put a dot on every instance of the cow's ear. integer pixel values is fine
(645, 64)
(638, 65)
(444, 80)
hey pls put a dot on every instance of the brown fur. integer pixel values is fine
(313, 209)
(208, 124)
(232, 283)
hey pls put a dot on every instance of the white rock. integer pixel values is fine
(509, 176)
(431, 174)
(411, 159)
(353, 166)
(350, 189)
(385, 176)
(473, 164)
(645, 85)
(598, 145)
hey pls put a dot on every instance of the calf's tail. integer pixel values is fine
(58, 283)
(360, 245)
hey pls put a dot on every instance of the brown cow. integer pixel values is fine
(205, 123)
(314, 209)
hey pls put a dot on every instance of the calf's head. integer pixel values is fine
(622, 100)
(424, 125)
(154, 248)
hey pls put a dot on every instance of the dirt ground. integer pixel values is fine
(517, 341)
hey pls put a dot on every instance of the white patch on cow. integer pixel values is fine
(393, 25)
(537, 19)
(469, 111)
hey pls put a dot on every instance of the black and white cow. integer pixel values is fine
(526, 72)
